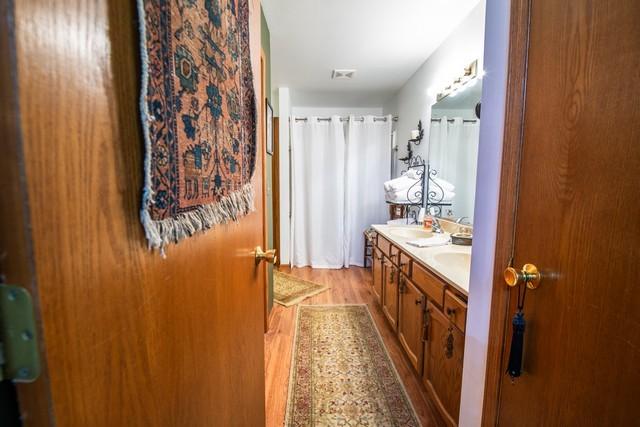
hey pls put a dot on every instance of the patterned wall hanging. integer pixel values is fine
(199, 116)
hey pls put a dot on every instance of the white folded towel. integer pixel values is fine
(405, 195)
(437, 240)
(435, 193)
(403, 182)
(446, 185)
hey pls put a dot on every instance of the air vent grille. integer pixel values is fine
(342, 74)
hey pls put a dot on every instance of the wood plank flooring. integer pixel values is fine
(348, 286)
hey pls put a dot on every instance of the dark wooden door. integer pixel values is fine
(578, 218)
(128, 338)
(412, 306)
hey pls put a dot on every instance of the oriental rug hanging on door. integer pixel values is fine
(199, 116)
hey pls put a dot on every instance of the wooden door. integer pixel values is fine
(128, 338)
(377, 271)
(412, 306)
(577, 219)
(443, 357)
(390, 293)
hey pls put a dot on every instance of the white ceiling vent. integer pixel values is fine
(342, 74)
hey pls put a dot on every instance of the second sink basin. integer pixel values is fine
(454, 259)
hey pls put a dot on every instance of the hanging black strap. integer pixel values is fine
(514, 367)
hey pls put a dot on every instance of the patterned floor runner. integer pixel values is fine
(341, 373)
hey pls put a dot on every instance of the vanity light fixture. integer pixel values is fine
(466, 80)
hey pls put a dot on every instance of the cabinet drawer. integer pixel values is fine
(405, 264)
(384, 245)
(430, 284)
(455, 309)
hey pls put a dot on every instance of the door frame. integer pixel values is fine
(513, 138)
(263, 149)
(275, 186)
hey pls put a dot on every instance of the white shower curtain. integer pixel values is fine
(368, 166)
(453, 152)
(336, 188)
(317, 229)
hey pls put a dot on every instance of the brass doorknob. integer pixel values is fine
(529, 275)
(268, 255)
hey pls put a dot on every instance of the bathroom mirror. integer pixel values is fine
(453, 154)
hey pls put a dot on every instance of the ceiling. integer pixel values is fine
(386, 41)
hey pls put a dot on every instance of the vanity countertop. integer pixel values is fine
(450, 262)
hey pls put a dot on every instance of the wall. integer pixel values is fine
(413, 102)
(284, 109)
(486, 211)
(331, 111)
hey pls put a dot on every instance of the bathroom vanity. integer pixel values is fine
(423, 294)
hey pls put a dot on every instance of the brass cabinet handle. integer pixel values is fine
(268, 255)
(425, 325)
(528, 275)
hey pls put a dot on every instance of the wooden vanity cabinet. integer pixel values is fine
(376, 271)
(390, 293)
(429, 317)
(442, 366)
(411, 318)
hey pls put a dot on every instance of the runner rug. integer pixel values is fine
(198, 112)
(341, 373)
(289, 290)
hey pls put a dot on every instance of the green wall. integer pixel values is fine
(265, 38)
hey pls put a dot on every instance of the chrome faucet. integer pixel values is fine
(462, 218)
(435, 225)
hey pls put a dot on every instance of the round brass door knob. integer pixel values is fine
(529, 275)
(268, 255)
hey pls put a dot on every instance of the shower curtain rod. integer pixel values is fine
(346, 119)
(452, 120)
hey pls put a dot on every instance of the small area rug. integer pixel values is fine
(289, 290)
(341, 373)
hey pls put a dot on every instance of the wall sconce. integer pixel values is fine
(416, 138)
(467, 79)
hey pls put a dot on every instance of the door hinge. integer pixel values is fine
(19, 355)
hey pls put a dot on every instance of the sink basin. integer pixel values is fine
(454, 259)
(410, 232)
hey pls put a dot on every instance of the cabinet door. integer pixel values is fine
(412, 306)
(443, 357)
(377, 274)
(390, 293)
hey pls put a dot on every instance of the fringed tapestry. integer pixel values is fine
(198, 114)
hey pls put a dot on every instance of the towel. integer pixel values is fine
(403, 182)
(446, 185)
(408, 195)
(436, 240)
(436, 194)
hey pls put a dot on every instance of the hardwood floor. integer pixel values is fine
(348, 286)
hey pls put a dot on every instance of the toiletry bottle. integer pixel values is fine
(427, 223)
